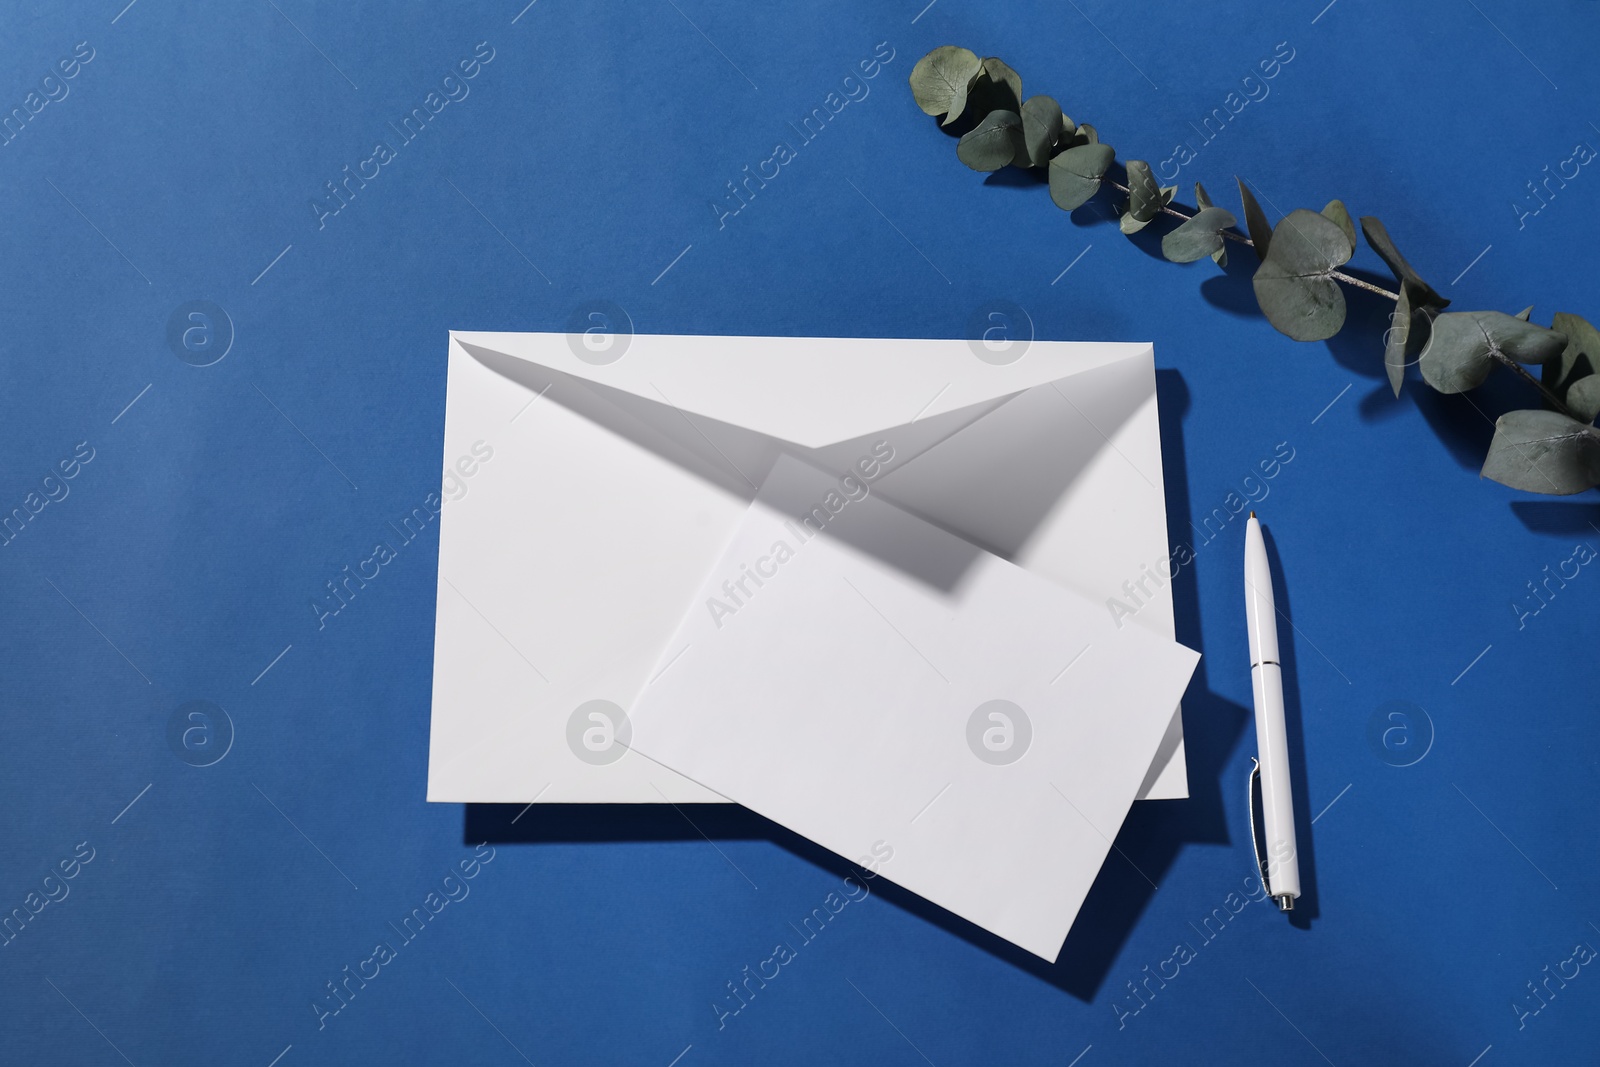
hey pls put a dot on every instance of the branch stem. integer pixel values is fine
(1241, 239)
(1550, 398)
(1368, 286)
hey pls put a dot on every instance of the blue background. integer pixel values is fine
(582, 165)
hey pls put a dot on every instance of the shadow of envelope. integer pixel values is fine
(584, 502)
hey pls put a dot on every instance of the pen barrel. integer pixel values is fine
(1260, 605)
(1277, 795)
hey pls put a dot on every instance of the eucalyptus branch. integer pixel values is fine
(1297, 285)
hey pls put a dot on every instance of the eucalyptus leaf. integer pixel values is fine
(1410, 327)
(1543, 452)
(1255, 220)
(1378, 238)
(1167, 193)
(1395, 338)
(1466, 345)
(1294, 285)
(1583, 399)
(1042, 126)
(1579, 359)
(941, 80)
(993, 143)
(1198, 236)
(1201, 200)
(1144, 197)
(999, 88)
(1075, 174)
(1089, 134)
(1339, 215)
(1526, 314)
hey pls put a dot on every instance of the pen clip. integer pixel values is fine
(1256, 841)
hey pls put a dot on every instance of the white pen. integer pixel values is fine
(1279, 863)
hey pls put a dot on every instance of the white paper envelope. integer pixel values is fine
(587, 493)
(897, 694)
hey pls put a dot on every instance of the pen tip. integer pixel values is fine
(1252, 514)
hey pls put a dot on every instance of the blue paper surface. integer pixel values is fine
(232, 771)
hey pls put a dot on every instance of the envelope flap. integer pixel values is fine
(813, 391)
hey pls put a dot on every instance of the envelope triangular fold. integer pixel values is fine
(811, 391)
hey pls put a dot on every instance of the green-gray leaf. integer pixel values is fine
(1075, 174)
(1003, 91)
(1042, 126)
(1294, 285)
(1339, 215)
(1089, 134)
(1583, 399)
(941, 79)
(1526, 314)
(1395, 338)
(1466, 345)
(1581, 357)
(1378, 238)
(1198, 236)
(1410, 327)
(1543, 452)
(993, 143)
(1255, 220)
(1201, 200)
(1144, 197)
